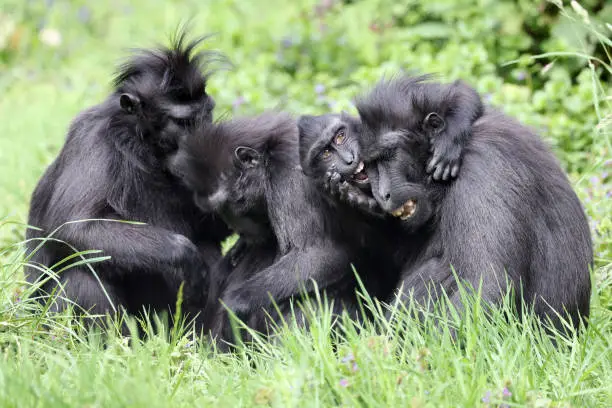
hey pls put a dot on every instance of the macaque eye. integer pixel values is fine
(340, 136)
(185, 122)
(326, 154)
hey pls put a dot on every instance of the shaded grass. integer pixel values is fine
(335, 363)
(494, 360)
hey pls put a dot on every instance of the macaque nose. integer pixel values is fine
(347, 157)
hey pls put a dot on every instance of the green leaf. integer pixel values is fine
(430, 30)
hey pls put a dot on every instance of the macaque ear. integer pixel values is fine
(434, 122)
(129, 102)
(247, 157)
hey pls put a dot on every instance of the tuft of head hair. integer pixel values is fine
(392, 100)
(273, 134)
(177, 71)
(210, 149)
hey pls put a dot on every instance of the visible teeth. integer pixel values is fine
(405, 211)
(359, 168)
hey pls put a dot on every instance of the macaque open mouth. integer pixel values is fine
(360, 175)
(405, 211)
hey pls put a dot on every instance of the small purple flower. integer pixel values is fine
(604, 175)
(84, 14)
(487, 397)
(319, 88)
(354, 367)
(521, 75)
(344, 383)
(426, 392)
(594, 180)
(238, 102)
(287, 42)
(349, 357)
(506, 393)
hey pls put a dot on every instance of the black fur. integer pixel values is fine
(112, 167)
(510, 219)
(262, 194)
(414, 99)
(445, 111)
(330, 155)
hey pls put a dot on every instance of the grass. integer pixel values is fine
(48, 361)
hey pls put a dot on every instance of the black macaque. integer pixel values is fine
(445, 111)
(330, 155)
(242, 262)
(247, 171)
(510, 220)
(113, 167)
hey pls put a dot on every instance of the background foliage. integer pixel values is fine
(546, 63)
